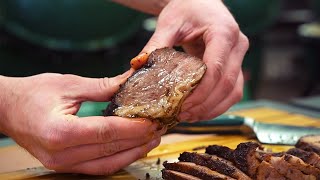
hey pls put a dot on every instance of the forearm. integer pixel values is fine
(148, 6)
(3, 99)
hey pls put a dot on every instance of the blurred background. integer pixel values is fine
(97, 38)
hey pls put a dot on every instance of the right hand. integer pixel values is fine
(40, 116)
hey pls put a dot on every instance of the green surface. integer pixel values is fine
(70, 24)
(254, 16)
(315, 5)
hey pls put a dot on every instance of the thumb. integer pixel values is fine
(100, 89)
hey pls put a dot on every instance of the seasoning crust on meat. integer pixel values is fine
(157, 90)
(250, 161)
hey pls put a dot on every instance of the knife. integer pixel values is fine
(265, 132)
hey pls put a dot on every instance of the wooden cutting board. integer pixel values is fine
(17, 164)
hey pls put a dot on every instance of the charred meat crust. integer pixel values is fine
(156, 91)
(174, 175)
(308, 157)
(310, 143)
(201, 172)
(214, 163)
(245, 159)
(221, 151)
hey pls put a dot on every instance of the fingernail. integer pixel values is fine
(144, 155)
(161, 132)
(184, 116)
(186, 107)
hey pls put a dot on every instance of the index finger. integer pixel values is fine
(218, 43)
(72, 130)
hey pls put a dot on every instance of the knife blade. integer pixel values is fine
(265, 132)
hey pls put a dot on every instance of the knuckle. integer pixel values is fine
(203, 108)
(244, 42)
(107, 133)
(51, 162)
(230, 31)
(229, 83)
(104, 83)
(218, 70)
(110, 148)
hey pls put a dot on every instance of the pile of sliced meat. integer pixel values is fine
(248, 161)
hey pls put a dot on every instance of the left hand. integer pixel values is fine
(206, 29)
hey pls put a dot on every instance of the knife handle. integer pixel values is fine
(224, 124)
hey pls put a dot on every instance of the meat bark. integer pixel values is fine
(245, 157)
(308, 157)
(195, 170)
(221, 151)
(309, 143)
(157, 90)
(214, 163)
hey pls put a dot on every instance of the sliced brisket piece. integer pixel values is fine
(214, 163)
(174, 175)
(266, 171)
(284, 167)
(221, 151)
(195, 170)
(308, 157)
(157, 90)
(309, 143)
(302, 166)
(245, 157)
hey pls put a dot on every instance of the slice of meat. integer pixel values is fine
(221, 151)
(214, 163)
(284, 167)
(309, 143)
(301, 165)
(308, 157)
(158, 89)
(245, 157)
(266, 171)
(174, 175)
(195, 170)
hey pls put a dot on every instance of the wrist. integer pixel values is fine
(6, 97)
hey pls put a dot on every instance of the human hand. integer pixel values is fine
(206, 29)
(40, 117)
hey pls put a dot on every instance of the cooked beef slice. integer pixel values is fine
(245, 157)
(174, 175)
(195, 170)
(221, 151)
(157, 90)
(309, 143)
(308, 157)
(214, 163)
(285, 168)
(266, 171)
(302, 166)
